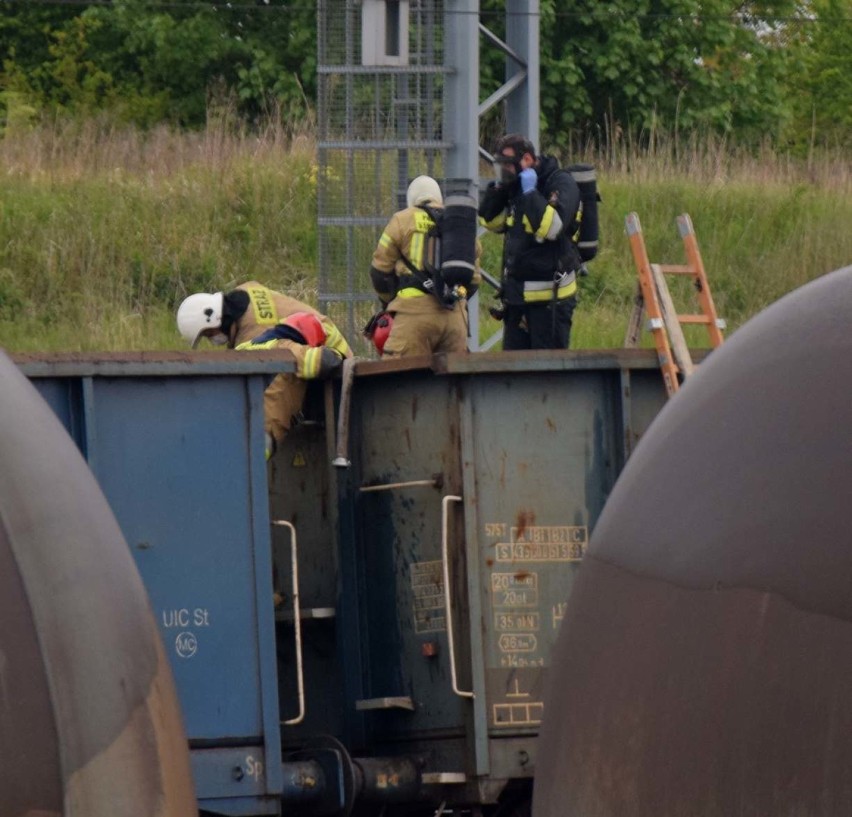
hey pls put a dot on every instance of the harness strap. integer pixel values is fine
(421, 281)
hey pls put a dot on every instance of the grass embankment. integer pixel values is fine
(103, 232)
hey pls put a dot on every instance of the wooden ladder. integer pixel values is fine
(653, 298)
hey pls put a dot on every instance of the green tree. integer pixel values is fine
(26, 35)
(678, 64)
(164, 61)
(152, 63)
(821, 90)
(265, 54)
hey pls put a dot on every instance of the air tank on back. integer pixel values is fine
(704, 666)
(89, 720)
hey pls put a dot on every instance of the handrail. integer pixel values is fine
(341, 459)
(392, 486)
(445, 503)
(297, 624)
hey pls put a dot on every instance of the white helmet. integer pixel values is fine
(423, 189)
(198, 313)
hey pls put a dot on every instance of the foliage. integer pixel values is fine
(610, 69)
(625, 70)
(675, 64)
(821, 90)
(148, 64)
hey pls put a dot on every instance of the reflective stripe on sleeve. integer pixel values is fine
(496, 224)
(554, 222)
(311, 362)
(334, 339)
(546, 221)
(251, 345)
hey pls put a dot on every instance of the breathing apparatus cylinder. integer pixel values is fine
(458, 241)
(587, 239)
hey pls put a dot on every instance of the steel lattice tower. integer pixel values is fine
(399, 95)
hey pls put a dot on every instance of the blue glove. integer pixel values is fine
(528, 180)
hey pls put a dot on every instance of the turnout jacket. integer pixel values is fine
(268, 308)
(540, 259)
(406, 234)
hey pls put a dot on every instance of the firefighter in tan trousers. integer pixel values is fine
(421, 324)
(252, 317)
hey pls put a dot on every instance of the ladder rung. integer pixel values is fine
(677, 269)
(702, 319)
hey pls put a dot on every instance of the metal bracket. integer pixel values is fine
(401, 702)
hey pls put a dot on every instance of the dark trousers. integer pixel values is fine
(538, 326)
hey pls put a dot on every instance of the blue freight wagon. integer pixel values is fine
(373, 634)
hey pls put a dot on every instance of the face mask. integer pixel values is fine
(507, 174)
(507, 170)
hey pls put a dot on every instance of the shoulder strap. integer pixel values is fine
(405, 260)
(434, 214)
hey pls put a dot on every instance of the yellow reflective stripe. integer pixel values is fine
(263, 306)
(546, 221)
(528, 228)
(385, 240)
(311, 362)
(416, 250)
(410, 292)
(268, 344)
(562, 281)
(334, 339)
(535, 296)
(496, 224)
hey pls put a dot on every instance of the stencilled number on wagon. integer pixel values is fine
(555, 543)
(514, 590)
(516, 622)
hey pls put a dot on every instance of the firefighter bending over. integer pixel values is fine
(253, 317)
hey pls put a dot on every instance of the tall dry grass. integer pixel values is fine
(712, 158)
(105, 229)
(65, 151)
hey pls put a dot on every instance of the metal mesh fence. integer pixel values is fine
(379, 127)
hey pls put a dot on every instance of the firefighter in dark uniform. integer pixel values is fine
(535, 205)
(422, 323)
(252, 317)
